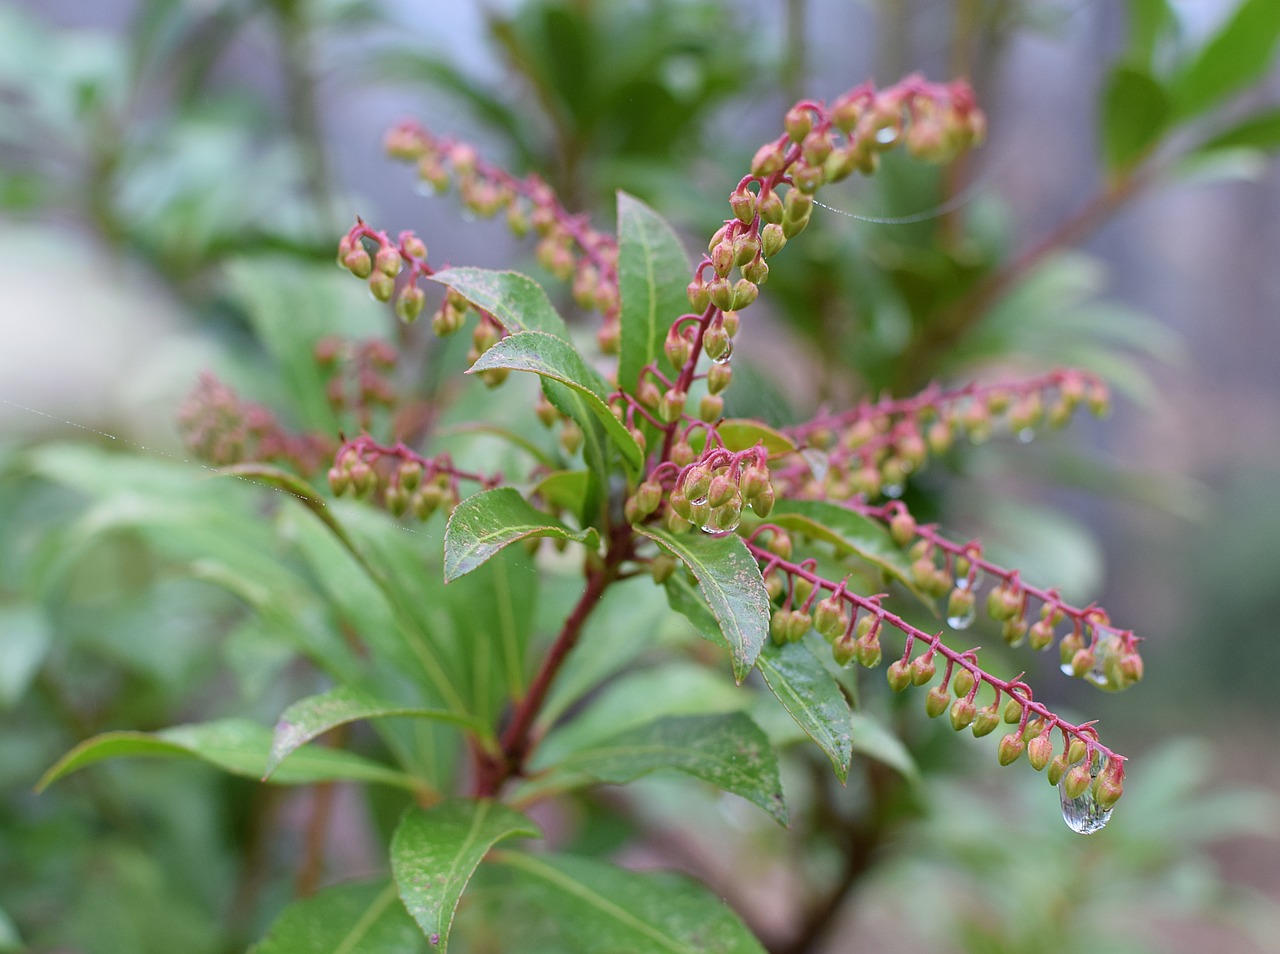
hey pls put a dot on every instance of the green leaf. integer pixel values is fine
(590, 907)
(553, 358)
(315, 715)
(26, 637)
(728, 750)
(732, 586)
(1149, 22)
(1237, 56)
(1259, 131)
(10, 941)
(516, 300)
(1135, 111)
(363, 918)
(652, 276)
(848, 531)
(565, 489)
(294, 486)
(812, 698)
(739, 435)
(484, 523)
(435, 852)
(237, 746)
(872, 739)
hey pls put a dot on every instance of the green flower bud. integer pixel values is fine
(1109, 785)
(959, 603)
(682, 453)
(756, 271)
(1077, 780)
(671, 405)
(988, 717)
(381, 286)
(768, 160)
(743, 202)
(962, 682)
(725, 517)
(1040, 751)
(800, 624)
(363, 478)
(807, 178)
(923, 669)
(409, 475)
(339, 481)
(745, 293)
(830, 619)
(936, 701)
(710, 408)
(1013, 630)
(1004, 602)
(722, 293)
(796, 206)
(772, 239)
(797, 122)
(780, 627)
(1011, 748)
(427, 500)
(844, 649)
(1057, 768)
(721, 489)
(718, 376)
(899, 675)
(868, 649)
(780, 544)
(699, 299)
(397, 500)
(358, 262)
(1083, 662)
(769, 208)
(1012, 711)
(963, 714)
(570, 437)
(409, 303)
(1076, 750)
(388, 261)
(902, 527)
(662, 567)
(716, 341)
(1040, 636)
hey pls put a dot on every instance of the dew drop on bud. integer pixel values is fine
(887, 135)
(1026, 435)
(728, 353)
(1083, 814)
(424, 188)
(963, 620)
(892, 491)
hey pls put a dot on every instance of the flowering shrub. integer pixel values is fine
(760, 536)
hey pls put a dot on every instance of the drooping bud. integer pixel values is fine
(710, 408)
(772, 239)
(769, 208)
(388, 261)
(829, 618)
(936, 701)
(743, 202)
(1040, 751)
(716, 341)
(797, 122)
(1077, 780)
(1040, 636)
(339, 481)
(963, 713)
(1011, 748)
(671, 405)
(768, 160)
(718, 376)
(663, 566)
(923, 669)
(721, 490)
(843, 649)
(381, 286)
(962, 682)
(699, 296)
(986, 720)
(899, 675)
(678, 348)
(409, 303)
(902, 527)
(1057, 768)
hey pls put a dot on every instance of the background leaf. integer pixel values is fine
(365, 918)
(728, 750)
(1135, 109)
(435, 852)
(588, 907)
(811, 697)
(1239, 54)
(237, 746)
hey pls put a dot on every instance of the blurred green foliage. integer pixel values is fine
(135, 595)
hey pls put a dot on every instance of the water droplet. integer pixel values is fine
(710, 527)
(698, 501)
(886, 135)
(965, 582)
(963, 621)
(728, 353)
(1026, 435)
(892, 491)
(424, 188)
(1083, 814)
(467, 214)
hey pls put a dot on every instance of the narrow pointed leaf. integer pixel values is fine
(811, 697)
(237, 746)
(732, 586)
(1135, 111)
(581, 906)
(1259, 131)
(484, 523)
(595, 445)
(315, 715)
(435, 852)
(516, 300)
(363, 918)
(554, 358)
(848, 531)
(1239, 54)
(652, 275)
(727, 749)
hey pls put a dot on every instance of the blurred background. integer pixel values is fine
(167, 167)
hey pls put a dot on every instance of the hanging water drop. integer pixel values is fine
(1026, 435)
(892, 491)
(886, 135)
(969, 582)
(1083, 814)
(963, 620)
(424, 188)
(728, 353)
(817, 460)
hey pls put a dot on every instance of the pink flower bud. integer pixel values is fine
(358, 263)
(769, 207)
(769, 159)
(721, 490)
(743, 202)
(339, 481)
(1011, 748)
(1040, 751)
(923, 669)
(797, 123)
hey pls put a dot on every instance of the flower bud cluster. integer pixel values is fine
(711, 492)
(222, 429)
(404, 481)
(567, 246)
(359, 380)
(1090, 647)
(852, 623)
(872, 449)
